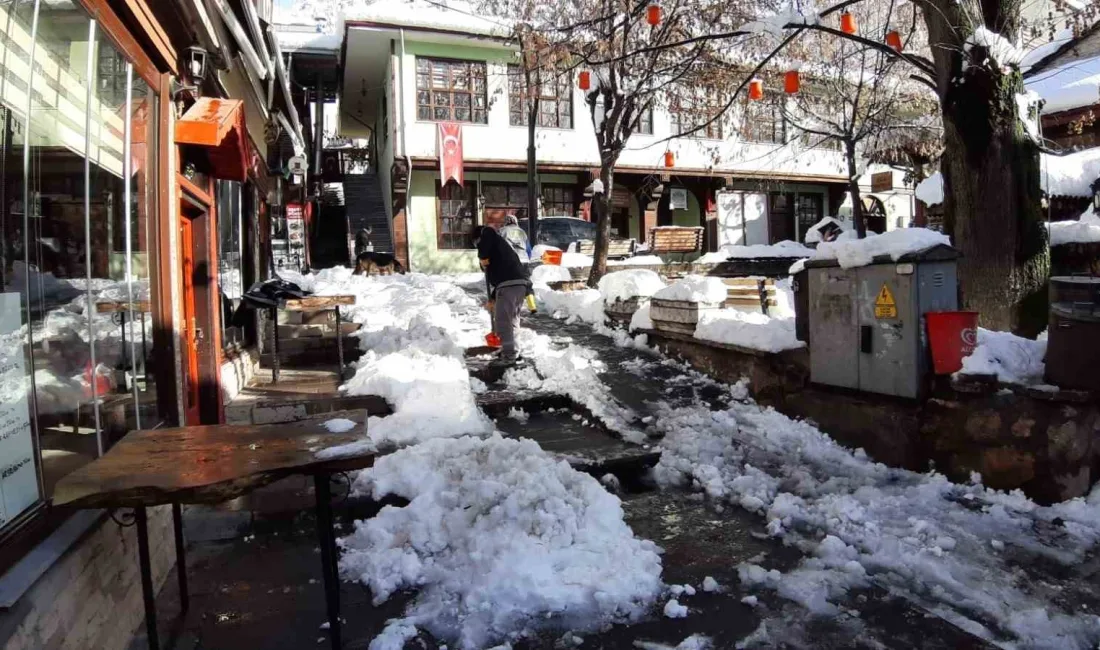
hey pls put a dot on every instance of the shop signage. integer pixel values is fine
(678, 198)
(18, 480)
(882, 182)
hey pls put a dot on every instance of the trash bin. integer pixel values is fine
(952, 335)
(1073, 336)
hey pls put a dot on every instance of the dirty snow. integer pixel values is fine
(895, 243)
(498, 537)
(673, 609)
(710, 585)
(1013, 359)
(748, 330)
(630, 283)
(695, 288)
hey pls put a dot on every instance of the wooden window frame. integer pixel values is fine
(752, 120)
(471, 200)
(570, 191)
(646, 116)
(692, 110)
(562, 98)
(452, 91)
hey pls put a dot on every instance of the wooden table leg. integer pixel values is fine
(339, 344)
(146, 578)
(275, 349)
(326, 538)
(181, 557)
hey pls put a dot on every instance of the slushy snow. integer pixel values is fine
(498, 536)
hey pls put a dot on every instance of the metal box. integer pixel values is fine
(866, 324)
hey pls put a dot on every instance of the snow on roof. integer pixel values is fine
(1084, 231)
(452, 15)
(1072, 85)
(1069, 175)
(297, 41)
(1037, 54)
(895, 243)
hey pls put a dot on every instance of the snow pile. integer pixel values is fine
(930, 190)
(497, 537)
(339, 425)
(585, 305)
(641, 320)
(695, 288)
(1072, 85)
(1084, 231)
(1013, 359)
(538, 249)
(632, 283)
(575, 260)
(748, 330)
(1000, 50)
(895, 243)
(544, 274)
(783, 249)
(1071, 175)
(813, 233)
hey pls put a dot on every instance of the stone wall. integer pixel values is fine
(91, 597)
(1044, 443)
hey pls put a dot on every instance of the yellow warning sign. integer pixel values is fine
(885, 307)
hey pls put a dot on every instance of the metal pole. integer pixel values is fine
(181, 557)
(146, 578)
(327, 540)
(89, 99)
(275, 349)
(339, 344)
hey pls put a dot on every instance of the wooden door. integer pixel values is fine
(191, 393)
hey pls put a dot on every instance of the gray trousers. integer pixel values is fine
(506, 313)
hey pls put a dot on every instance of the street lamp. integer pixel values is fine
(194, 58)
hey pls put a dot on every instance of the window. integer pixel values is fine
(645, 122)
(808, 211)
(763, 121)
(558, 201)
(555, 100)
(699, 110)
(75, 252)
(501, 200)
(450, 91)
(456, 216)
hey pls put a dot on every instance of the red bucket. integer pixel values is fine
(952, 336)
(492, 340)
(552, 258)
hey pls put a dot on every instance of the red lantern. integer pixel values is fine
(585, 80)
(847, 23)
(653, 15)
(893, 39)
(791, 82)
(670, 159)
(756, 89)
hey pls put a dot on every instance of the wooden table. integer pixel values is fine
(212, 464)
(310, 303)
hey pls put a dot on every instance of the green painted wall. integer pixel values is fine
(424, 254)
(689, 217)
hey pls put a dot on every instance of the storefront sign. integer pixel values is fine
(450, 152)
(296, 232)
(18, 479)
(882, 182)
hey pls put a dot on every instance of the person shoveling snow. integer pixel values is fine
(508, 285)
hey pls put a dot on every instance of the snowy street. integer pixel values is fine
(500, 543)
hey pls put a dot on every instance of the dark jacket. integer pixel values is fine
(504, 267)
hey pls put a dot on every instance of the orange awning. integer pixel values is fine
(219, 125)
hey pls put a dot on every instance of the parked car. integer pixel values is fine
(562, 231)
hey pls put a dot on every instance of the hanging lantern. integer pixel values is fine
(791, 82)
(847, 23)
(653, 15)
(584, 80)
(893, 39)
(756, 89)
(670, 159)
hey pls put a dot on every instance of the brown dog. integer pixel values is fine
(371, 263)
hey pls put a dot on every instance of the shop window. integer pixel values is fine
(450, 91)
(558, 201)
(762, 121)
(75, 309)
(555, 96)
(808, 211)
(455, 216)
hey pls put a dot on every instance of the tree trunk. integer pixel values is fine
(601, 212)
(853, 189)
(533, 191)
(991, 177)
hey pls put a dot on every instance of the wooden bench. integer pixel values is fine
(676, 239)
(616, 248)
(751, 293)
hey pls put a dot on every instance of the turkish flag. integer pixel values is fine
(450, 152)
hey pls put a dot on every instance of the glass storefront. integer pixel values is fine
(77, 199)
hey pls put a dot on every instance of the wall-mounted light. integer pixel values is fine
(194, 60)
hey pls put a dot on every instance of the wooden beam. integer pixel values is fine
(120, 37)
(144, 17)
